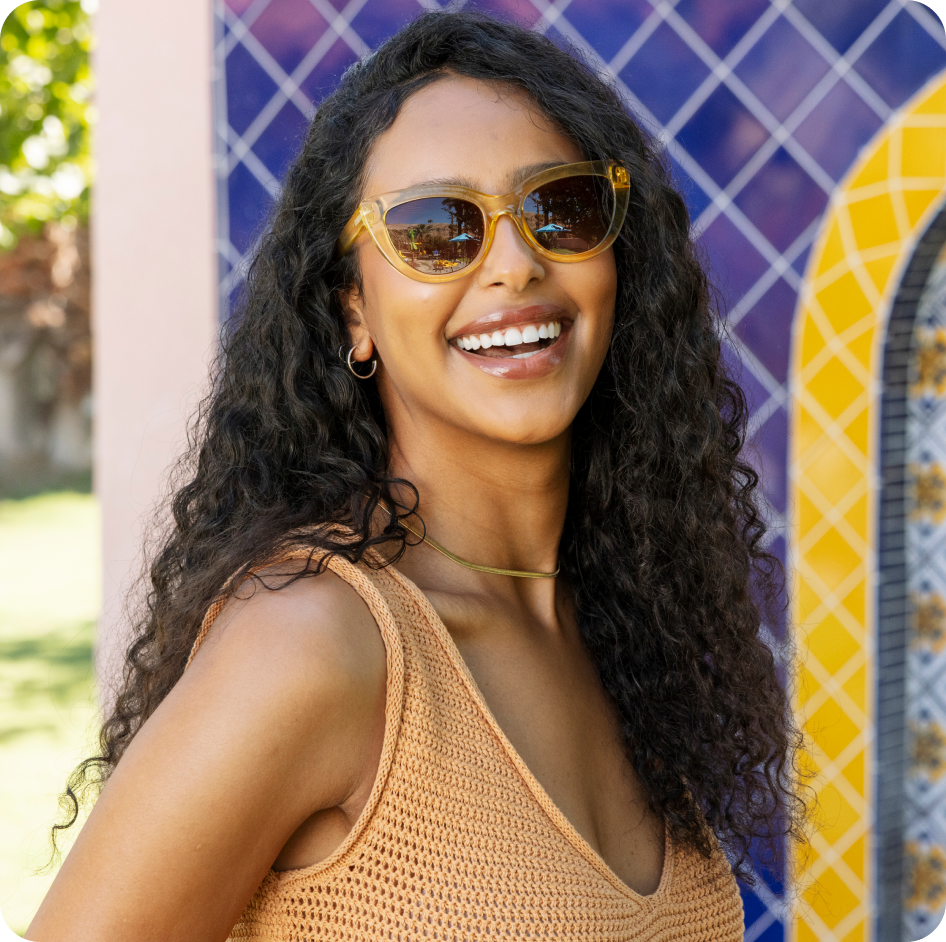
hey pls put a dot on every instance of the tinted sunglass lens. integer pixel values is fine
(436, 236)
(571, 215)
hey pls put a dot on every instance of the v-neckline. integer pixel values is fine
(568, 830)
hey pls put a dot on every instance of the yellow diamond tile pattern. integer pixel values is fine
(870, 230)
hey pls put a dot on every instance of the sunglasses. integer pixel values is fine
(438, 233)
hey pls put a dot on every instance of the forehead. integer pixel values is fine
(476, 133)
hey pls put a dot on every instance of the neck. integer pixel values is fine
(491, 503)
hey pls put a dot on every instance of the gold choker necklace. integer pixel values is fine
(499, 572)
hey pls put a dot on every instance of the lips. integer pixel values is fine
(519, 343)
(522, 344)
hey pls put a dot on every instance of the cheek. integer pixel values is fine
(389, 299)
(594, 285)
(402, 314)
(603, 279)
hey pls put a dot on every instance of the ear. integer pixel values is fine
(353, 307)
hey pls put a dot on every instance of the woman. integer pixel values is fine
(461, 577)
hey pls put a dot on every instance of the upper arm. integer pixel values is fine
(272, 722)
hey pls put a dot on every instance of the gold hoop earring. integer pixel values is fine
(354, 372)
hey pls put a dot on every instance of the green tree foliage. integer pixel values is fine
(45, 115)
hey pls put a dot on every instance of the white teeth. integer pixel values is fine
(524, 356)
(512, 337)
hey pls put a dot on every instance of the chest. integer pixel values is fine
(544, 693)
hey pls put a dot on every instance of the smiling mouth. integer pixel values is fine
(517, 343)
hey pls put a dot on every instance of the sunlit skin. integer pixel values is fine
(265, 752)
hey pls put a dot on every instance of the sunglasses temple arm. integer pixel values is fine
(350, 233)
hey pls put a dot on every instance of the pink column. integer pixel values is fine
(154, 295)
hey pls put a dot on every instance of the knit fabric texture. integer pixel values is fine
(458, 840)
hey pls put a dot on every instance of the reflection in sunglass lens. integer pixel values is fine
(438, 235)
(571, 215)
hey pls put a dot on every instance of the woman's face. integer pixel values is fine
(488, 138)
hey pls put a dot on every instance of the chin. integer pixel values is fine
(523, 430)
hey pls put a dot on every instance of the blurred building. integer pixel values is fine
(809, 139)
(45, 358)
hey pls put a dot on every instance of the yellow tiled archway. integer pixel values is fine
(870, 231)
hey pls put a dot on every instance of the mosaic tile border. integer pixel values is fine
(925, 662)
(895, 565)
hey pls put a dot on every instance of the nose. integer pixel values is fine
(510, 261)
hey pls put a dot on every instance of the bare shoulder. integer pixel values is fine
(309, 637)
(281, 609)
(295, 667)
(292, 679)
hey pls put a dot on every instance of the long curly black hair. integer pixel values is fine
(663, 545)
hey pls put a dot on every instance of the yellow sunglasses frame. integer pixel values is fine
(371, 214)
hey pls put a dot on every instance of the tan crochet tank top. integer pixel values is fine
(458, 840)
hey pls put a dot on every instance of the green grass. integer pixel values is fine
(49, 600)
